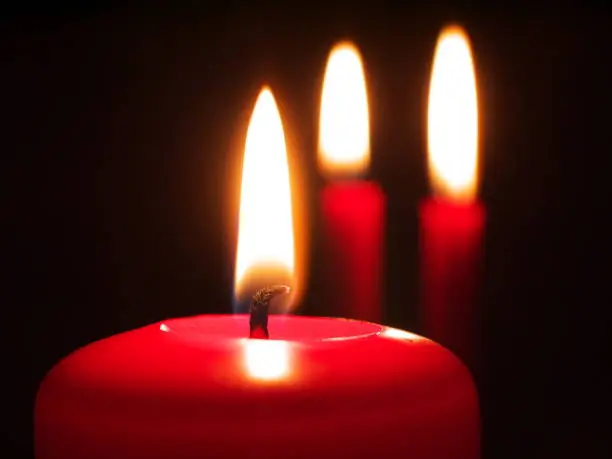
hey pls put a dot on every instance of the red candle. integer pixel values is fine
(452, 222)
(353, 210)
(196, 387)
(211, 387)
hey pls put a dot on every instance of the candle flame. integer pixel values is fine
(266, 359)
(453, 118)
(344, 130)
(265, 252)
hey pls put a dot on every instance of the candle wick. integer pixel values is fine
(259, 309)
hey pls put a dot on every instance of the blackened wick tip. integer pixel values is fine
(259, 309)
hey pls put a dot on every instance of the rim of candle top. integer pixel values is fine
(282, 328)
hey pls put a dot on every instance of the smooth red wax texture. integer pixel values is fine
(451, 251)
(353, 227)
(352, 391)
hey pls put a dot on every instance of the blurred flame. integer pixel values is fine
(265, 235)
(266, 359)
(344, 129)
(453, 118)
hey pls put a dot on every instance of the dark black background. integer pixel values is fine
(120, 131)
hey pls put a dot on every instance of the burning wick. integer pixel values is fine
(259, 309)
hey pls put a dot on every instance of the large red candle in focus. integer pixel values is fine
(199, 387)
(196, 388)
(353, 210)
(452, 221)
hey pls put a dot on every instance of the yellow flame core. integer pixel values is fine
(453, 118)
(265, 234)
(344, 130)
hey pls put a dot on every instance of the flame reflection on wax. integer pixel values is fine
(267, 360)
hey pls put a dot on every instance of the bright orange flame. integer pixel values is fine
(344, 130)
(265, 235)
(453, 118)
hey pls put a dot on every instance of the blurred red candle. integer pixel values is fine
(452, 221)
(197, 387)
(353, 210)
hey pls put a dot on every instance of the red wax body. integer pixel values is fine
(194, 388)
(451, 250)
(353, 227)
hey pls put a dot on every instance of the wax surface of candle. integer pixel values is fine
(353, 210)
(196, 388)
